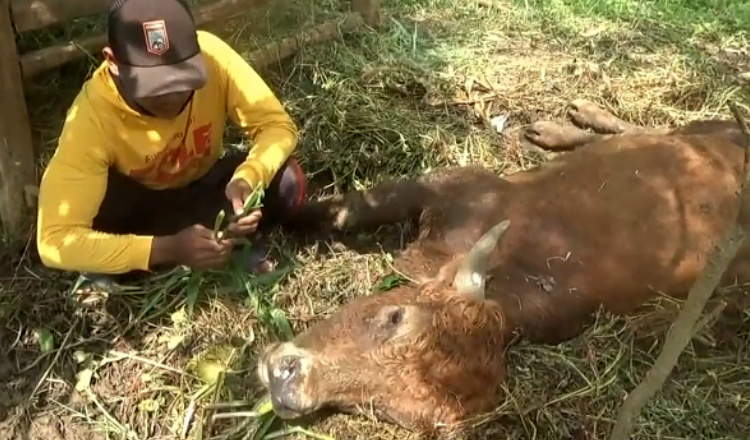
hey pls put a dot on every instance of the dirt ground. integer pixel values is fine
(417, 93)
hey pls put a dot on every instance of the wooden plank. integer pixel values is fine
(17, 165)
(52, 57)
(286, 47)
(36, 62)
(29, 15)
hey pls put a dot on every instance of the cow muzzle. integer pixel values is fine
(283, 380)
(284, 372)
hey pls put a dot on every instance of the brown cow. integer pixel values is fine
(537, 253)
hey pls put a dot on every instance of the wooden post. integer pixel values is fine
(17, 165)
(370, 10)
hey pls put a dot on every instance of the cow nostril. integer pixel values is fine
(286, 368)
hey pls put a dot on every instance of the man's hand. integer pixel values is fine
(237, 191)
(197, 248)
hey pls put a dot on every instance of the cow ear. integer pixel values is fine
(470, 274)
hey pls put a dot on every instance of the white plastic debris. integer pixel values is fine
(498, 122)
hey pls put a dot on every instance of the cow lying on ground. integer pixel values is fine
(629, 211)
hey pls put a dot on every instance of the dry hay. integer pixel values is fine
(418, 94)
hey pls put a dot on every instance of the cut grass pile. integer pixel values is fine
(418, 94)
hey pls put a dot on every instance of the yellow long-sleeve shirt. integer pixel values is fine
(101, 131)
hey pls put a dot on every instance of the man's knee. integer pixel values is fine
(287, 191)
(292, 184)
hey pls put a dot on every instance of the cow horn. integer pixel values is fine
(469, 278)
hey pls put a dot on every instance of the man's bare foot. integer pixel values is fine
(553, 136)
(255, 259)
(587, 114)
(265, 266)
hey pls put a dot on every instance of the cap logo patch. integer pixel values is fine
(157, 39)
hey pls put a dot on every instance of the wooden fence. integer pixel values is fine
(18, 176)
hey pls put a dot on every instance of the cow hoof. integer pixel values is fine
(587, 114)
(553, 136)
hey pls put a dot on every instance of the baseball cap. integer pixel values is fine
(156, 46)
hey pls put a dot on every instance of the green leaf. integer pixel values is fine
(174, 341)
(81, 356)
(84, 379)
(219, 220)
(148, 405)
(254, 200)
(254, 302)
(179, 317)
(390, 282)
(264, 406)
(193, 289)
(46, 339)
(279, 319)
(265, 426)
(215, 360)
(209, 370)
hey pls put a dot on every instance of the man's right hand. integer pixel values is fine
(195, 247)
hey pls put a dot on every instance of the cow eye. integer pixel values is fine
(387, 322)
(395, 317)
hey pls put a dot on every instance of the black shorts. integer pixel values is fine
(132, 208)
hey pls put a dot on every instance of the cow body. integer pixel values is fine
(628, 212)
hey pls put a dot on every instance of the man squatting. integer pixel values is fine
(138, 176)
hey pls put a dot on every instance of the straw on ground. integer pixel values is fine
(418, 94)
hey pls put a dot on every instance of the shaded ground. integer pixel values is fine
(417, 94)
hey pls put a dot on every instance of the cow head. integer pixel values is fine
(415, 355)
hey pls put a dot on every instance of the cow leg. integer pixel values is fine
(391, 201)
(710, 127)
(587, 114)
(553, 136)
(387, 203)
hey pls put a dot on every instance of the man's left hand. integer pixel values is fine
(237, 191)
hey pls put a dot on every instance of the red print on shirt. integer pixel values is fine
(177, 159)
